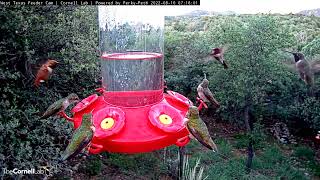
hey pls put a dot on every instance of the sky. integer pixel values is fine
(154, 14)
(248, 6)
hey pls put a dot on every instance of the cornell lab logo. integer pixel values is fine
(44, 170)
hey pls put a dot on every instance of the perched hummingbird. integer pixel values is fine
(81, 138)
(218, 53)
(198, 128)
(303, 67)
(60, 105)
(165, 87)
(205, 94)
(45, 71)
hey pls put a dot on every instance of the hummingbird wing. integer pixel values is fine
(225, 66)
(42, 75)
(73, 149)
(209, 95)
(201, 94)
(223, 49)
(315, 66)
(53, 109)
(199, 136)
(305, 71)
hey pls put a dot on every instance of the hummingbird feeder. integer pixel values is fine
(133, 115)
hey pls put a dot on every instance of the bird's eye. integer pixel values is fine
(165, 119)
(107, 123)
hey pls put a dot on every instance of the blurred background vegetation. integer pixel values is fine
(259, 73)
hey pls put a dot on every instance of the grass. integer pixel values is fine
(271, 161)
(146, 164)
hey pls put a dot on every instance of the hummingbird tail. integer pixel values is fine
(225, 66)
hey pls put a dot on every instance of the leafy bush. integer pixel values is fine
(93, 166)
(29, 36)
(141, 164)
(304, 152)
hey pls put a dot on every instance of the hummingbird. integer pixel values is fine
(60, 105)
(303, 67)
(218, 53)
(318, 136)
(81, 138)
(45, 72)
(205, 94)
(198, 128)
(165, 87)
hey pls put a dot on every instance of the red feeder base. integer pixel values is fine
(135, 129)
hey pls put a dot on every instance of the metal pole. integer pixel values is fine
(181, 161)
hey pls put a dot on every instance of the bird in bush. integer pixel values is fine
(60, 105)
(45, 71)
(303, 67)
(80, 139)
(218, 54)
(318, 136)
(198, 128)
(165, 87)
(205, 94)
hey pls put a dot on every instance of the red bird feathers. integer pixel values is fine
(45, 71)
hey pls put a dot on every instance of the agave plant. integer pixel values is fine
(191, 173)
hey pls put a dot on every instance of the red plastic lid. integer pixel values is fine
(84, 103)
(180, 97)
(131, 56)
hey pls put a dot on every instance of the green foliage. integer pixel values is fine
(315, 167)
(93, 166)
(142, 164)
(258, 72)
(304, 153)
(258, 136)
(30, 35)
(258, 75)
(307, 156)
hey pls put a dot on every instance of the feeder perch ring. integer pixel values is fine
(166, 118)
(183, 141)
(108, 121)
(95, 148)
(85, 103)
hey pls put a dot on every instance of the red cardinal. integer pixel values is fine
(217, 53)
(45, 71)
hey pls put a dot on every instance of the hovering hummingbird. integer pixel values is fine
(81, 138)
(198, 128)
(303, 67)
(45, 71)
(205, 94)
(60, 105)
(218, 53)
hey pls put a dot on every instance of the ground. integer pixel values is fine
(271, 161)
